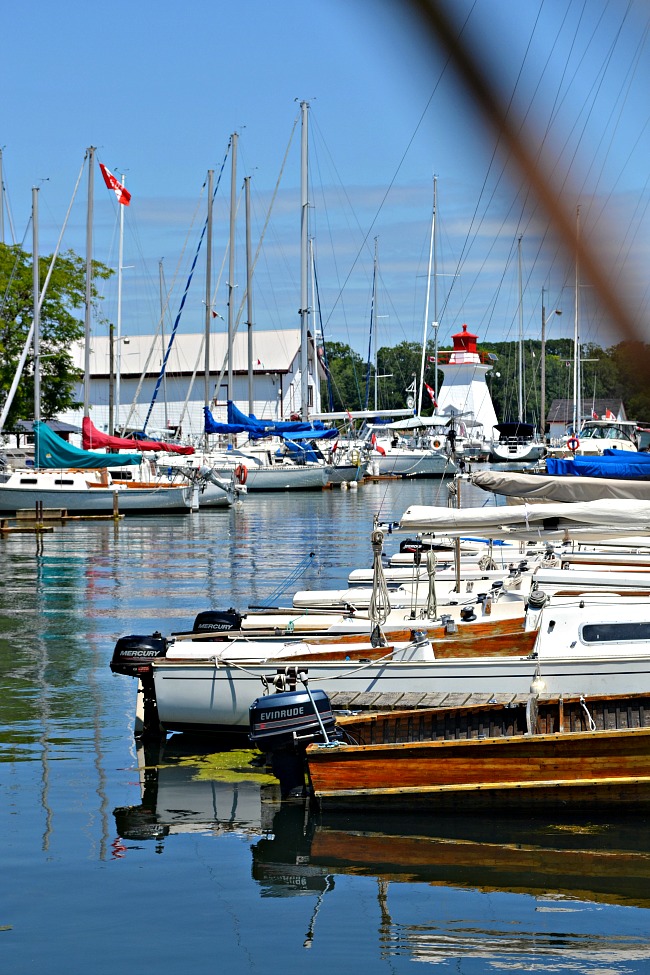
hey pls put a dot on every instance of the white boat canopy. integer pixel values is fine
(546, 520)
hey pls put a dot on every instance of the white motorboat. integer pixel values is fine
(581, 648)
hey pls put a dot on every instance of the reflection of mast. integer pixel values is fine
(386, 921)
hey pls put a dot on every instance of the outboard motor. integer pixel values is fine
(133, 655)
(283, 724)
(218, 621)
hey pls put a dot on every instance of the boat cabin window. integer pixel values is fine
(615, 632)
(121, 475)
(29, 480)
(64, 482)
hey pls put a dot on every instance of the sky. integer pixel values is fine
(159, 88)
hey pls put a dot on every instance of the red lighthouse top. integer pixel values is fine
(465, 341)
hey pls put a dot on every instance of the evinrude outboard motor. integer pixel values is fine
(283, 724)
(218, 621)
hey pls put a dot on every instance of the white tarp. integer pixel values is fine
(554, 488)
(601, 517)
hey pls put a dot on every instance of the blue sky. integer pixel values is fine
(159, 87)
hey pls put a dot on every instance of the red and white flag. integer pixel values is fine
(432, 393)
(609, 415)
(121, 192)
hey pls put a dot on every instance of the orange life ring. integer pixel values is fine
(241, 473)
(573, 443)
(436, 444)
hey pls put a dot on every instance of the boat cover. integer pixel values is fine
(239, 422)
(51, 451)
(627, 515)
(92, 438)
(613, 463)
(546, 487)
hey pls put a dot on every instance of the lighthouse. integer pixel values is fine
(464, 389)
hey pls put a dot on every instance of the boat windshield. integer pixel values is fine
(613, 432)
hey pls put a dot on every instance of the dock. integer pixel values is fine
(39, 520)
(397, 701)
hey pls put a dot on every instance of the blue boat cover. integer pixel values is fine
(51, 451)
(256, 429)
(616, 463)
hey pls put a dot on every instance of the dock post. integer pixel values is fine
(116, 507)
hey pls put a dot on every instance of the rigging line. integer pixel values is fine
(395, 174)
(172, 336)
(224, 364)
(164, 311)
(30, 335)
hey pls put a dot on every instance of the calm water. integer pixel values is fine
(117, 861)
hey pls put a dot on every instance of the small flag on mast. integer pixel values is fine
(121, 192)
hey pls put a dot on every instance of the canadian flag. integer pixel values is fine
(121, 192)
(594, 415)
(378, 448)
(609, 415)
(432, 393)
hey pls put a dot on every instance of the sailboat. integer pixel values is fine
(65, 477)
(516, 442)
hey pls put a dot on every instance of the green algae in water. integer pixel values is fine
(230, 766)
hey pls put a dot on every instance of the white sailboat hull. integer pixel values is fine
(75, 496)
(204, 697)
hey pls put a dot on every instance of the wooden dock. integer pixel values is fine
(398, 701)
(38, 520)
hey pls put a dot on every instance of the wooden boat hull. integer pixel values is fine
(486, 757)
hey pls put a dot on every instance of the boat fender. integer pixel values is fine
(241, 473)
(573, 443)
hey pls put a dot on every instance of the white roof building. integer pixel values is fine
(180, 396)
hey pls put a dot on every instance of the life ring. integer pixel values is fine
(241, 473)
(436, 444)
(573, 443)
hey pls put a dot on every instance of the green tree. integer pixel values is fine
(347, 372)
(60, 327)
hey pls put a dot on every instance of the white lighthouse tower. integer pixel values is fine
(464, 389)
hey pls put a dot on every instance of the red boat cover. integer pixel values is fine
(92, 438)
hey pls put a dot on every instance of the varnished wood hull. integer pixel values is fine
(484, 756)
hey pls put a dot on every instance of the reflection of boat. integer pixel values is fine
(182, 792)
(600, 861)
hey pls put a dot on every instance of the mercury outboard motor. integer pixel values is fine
(283, 724)
(217, 621)
(133, 655)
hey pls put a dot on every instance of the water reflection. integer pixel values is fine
(298, 850)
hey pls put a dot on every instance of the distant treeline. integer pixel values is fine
(619, 372)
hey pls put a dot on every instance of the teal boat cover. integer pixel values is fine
(52, 451)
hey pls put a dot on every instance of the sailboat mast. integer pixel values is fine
(208, 297)
(577, 379)
(435, 291)
(89, 278)
(37, 318)
(426, 308)
(520, 391)
(304, 270)
(118, 330)
(249, 294)
(161, 293)
(375, 323)
(2, 203)
(231, 263)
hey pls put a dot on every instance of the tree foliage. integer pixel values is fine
(61, 325)
(620, 372)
